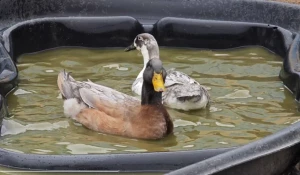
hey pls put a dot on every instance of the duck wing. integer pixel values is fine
(69, 88)
(105, 99)
(184, 92)
(175, 77)
(108, 100)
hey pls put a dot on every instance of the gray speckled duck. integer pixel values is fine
(183, 92)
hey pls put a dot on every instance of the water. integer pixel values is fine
(249, 100)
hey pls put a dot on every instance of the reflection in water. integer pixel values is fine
(237, 94)
(11, 127)
(249, 101)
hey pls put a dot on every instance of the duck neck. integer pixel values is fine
(147, 55)
(149, 96)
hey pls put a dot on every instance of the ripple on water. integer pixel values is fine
(87, 149)
(237, 94)
(21, 92)
(180, 122)
(11, 127)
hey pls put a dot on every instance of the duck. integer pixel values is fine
(103, 109)
(182, 91)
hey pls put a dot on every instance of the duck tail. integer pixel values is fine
(72, 107)
(68, 88)
(60, 81)
(65, 85)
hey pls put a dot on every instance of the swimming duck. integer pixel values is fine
(106, 110)
(183, 92)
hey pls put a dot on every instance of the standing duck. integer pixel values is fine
(106, 110)
(183, 92)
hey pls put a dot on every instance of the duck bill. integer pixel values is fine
(129, 48)
(158, 82)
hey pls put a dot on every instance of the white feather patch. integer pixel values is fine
(72, 108)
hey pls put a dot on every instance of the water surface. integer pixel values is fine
(249, 100)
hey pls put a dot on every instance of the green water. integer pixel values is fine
(249, 100)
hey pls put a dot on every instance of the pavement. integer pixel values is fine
(289, 1)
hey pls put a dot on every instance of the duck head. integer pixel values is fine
(153, 85)
(146, 44)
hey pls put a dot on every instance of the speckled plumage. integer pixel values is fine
(183, 92)
(184, 89)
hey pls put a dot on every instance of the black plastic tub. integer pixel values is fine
(31, 25)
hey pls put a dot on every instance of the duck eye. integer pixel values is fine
(139, 38)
